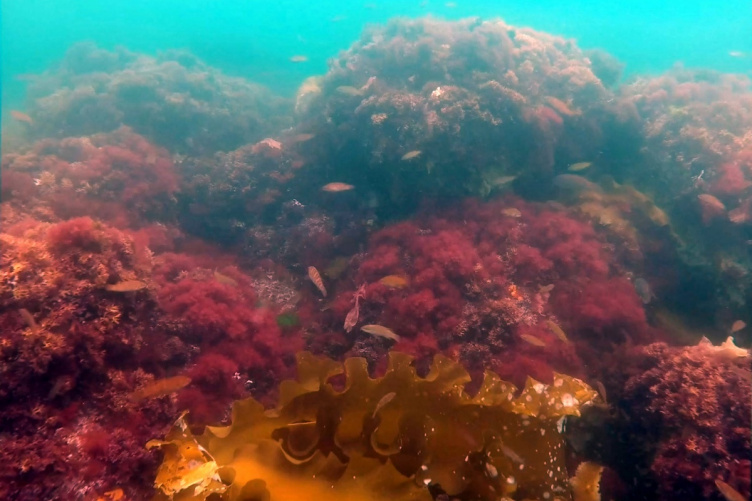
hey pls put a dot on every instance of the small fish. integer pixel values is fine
(113, 495)
(491, 471)
(302, 138)
(380, 331)
(512, 212)
(160, 387)
(315, 277)
(657, 216)
(384, 400)
(736, 53)
(579, 166)
(21, 116)
(575, 184)
(299, 59)
(546, 288)
(739, 215)
(554, 327)
(535, 341)
(394, 281)
(337, 187)
(711, 207)
(337, 267)
(501, 181)
(602, 390)
(126, 286)
(643, 289)
(561, 107)
(737, 326)
(29, 319)
(411, 154)
(728, 492)
(349, 90)
(224, 279)
(509, 452)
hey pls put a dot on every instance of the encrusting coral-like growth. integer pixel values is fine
(398, 436)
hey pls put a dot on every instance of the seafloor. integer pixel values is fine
(450, 199)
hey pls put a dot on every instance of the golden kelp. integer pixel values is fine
(126, 286)
(391, 437)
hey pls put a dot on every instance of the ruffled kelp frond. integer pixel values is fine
(391, 437)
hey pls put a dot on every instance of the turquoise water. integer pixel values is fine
(255, 39)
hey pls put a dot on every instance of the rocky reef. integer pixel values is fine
(453, 211)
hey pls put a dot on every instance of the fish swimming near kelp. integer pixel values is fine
(574, 184)
(126, 286)
(738, 326)
(337, 187)
(29, 319)
(411, 154)
(558, 331)
(349, 90)
(728, 492)
(160, 387)
(224, 279)
(315, 277)
(533, 340)
(380, 331)
(710, 207)
(394, 281)
(21, 117)
(643, 289)
(579, 166)
(384, 401)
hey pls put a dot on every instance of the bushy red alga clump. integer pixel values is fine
(488, 283)
(94, 327)
(240, 344)
(696, 400)
(69, 359)
(120, 177)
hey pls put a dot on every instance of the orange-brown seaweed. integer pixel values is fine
(391, 437)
